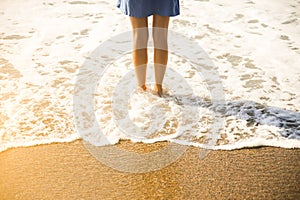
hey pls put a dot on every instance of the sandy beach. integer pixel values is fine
(53, 96)
(68, 171)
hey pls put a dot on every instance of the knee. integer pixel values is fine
(140, 37)
(160, 38)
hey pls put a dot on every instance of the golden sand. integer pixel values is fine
(69, 171)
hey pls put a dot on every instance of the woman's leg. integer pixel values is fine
(139, 54)
(160, 39)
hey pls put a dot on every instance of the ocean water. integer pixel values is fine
(249, 50)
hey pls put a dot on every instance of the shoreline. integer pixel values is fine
(69, 171)
(246, 145)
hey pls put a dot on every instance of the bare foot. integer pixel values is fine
(144, 87)
(158, 89)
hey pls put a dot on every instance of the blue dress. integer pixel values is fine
(145, 8)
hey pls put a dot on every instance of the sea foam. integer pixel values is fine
(254, 48)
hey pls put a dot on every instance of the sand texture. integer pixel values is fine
(68, 171)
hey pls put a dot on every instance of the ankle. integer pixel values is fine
(158, 89)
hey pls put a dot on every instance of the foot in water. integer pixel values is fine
(143, 87)
(158, 89)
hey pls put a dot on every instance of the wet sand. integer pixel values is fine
(69, 171)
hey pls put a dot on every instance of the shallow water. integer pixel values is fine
(253, 46)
